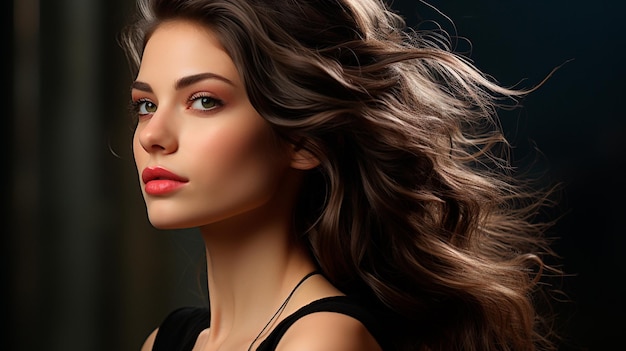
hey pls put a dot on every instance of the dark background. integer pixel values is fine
(83, 270)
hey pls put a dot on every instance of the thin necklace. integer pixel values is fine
(281, 308)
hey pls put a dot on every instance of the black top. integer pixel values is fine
(180, 329)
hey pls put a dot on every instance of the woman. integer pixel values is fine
(344, 176)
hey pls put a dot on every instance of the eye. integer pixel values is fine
(204, 102)
(145, 107)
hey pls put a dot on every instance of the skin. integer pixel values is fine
(240, 190)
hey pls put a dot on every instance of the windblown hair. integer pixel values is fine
(415, 206)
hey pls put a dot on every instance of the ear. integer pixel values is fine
(303, 159)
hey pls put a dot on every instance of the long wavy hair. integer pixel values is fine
(415, 207)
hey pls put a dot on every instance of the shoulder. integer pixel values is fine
(328, 331)
(149, 342)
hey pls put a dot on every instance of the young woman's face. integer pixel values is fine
(202, 152)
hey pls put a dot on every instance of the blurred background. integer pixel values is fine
(83, 270)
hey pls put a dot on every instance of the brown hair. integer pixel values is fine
(414, 207)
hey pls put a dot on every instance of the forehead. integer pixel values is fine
(180, 48)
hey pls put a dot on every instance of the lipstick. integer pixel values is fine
(160, 181)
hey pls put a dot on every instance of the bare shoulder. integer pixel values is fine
(328, 331)
(149, 342)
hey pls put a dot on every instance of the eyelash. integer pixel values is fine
(135, 106)
(199, 96)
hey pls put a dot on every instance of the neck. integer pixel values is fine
(253, 263)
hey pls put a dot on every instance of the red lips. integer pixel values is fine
(160, 181)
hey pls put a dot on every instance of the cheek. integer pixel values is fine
(247, 155)
(239, 162)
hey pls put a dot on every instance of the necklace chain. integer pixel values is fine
(281, 308)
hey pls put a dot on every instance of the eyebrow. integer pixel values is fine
(141, 86)
(184, 81)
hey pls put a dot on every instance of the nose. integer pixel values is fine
(158, 133)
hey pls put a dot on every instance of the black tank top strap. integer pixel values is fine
(339, 304)
(180, 329)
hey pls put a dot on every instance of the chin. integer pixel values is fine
(159, 224)
(166, 222)
(167, 225)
